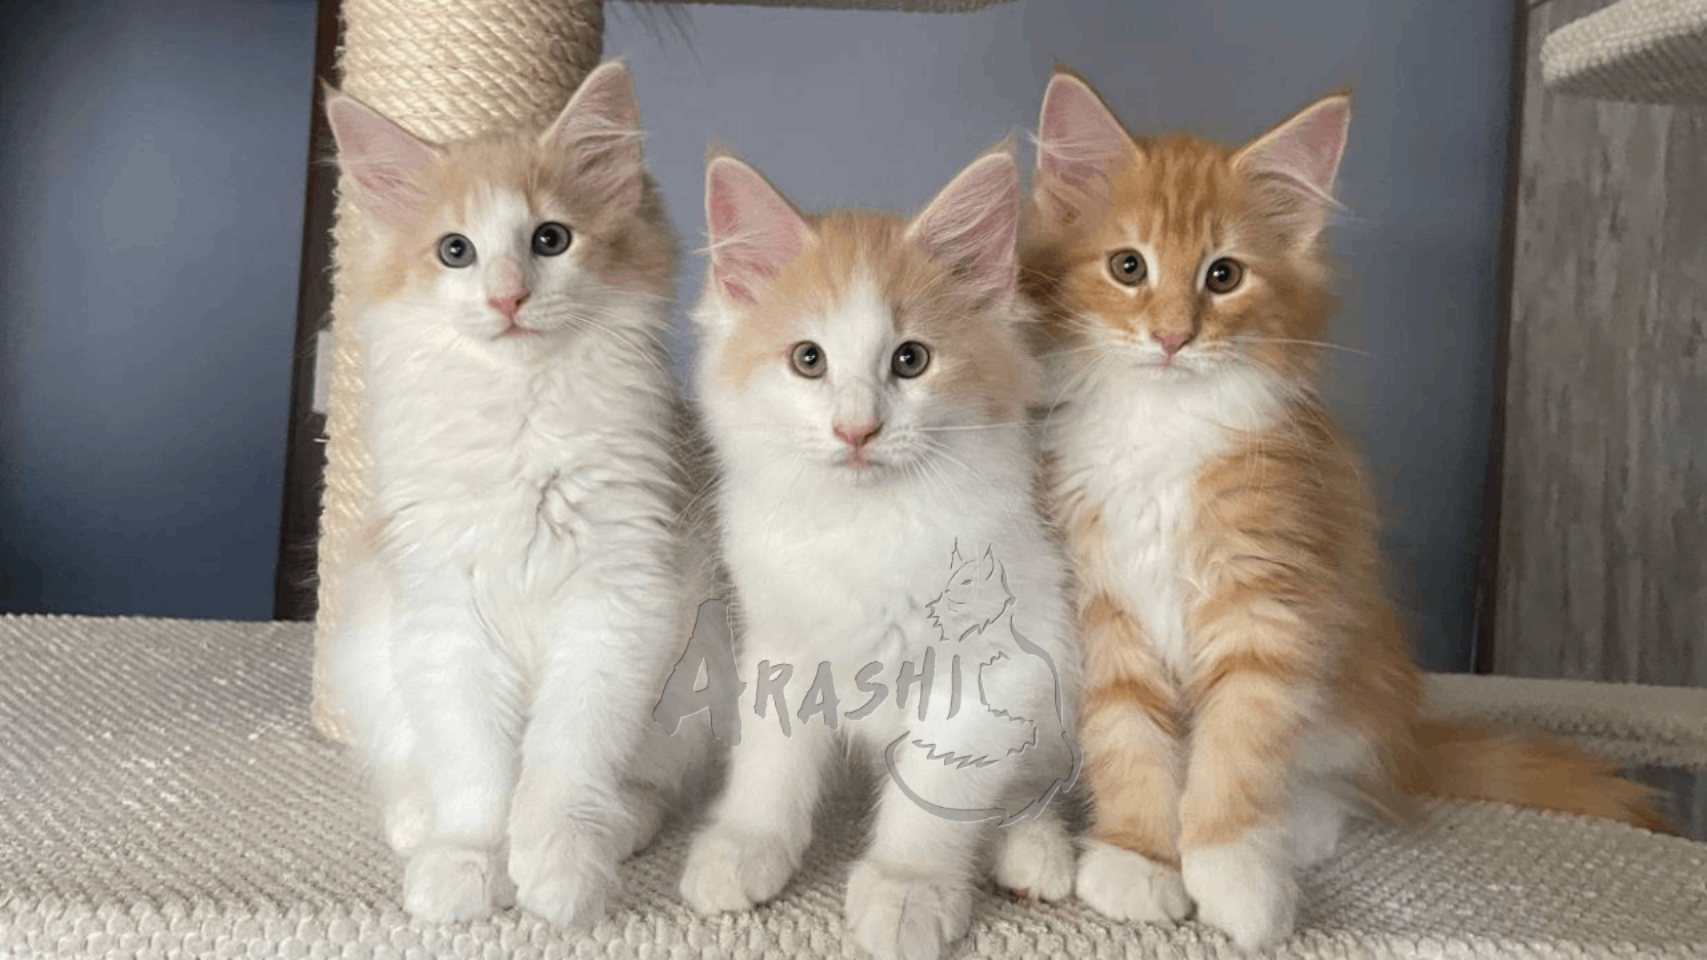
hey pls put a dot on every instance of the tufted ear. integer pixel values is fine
(755, 231)
(599, 129)
(973, 224)
(1300, 159)
(384, 165)
(1080, 143)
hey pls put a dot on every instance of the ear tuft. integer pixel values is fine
(1302, 156)
(755, 231)
(973, 224)
(1080, 143)
(384, 165)
(599, 129)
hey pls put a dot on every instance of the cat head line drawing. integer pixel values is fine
(976, 596)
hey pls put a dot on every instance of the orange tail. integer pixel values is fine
(1470, 761)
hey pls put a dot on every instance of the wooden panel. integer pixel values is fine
(1602, 569)
(305, 455)
(1604, 512)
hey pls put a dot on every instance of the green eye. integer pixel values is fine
(910, 360)
(807, 358)
(456, 250)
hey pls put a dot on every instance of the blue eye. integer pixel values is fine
(455, 250)
(551, 239)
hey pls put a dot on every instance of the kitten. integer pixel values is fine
(1246, 683)
(525, 581)
(864, 383)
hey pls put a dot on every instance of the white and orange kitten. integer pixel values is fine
(524, 580)
(1247, 687)
(864, 380)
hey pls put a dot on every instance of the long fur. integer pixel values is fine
(1247, 685)
(527, 577)
(918, 549)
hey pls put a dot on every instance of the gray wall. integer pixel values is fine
(880, 109)
(151, 188)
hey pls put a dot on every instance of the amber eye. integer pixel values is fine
(808, 359)
(1224, 276)
(910, 360)
(1127, 266)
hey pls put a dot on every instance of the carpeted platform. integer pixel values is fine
(162, 794)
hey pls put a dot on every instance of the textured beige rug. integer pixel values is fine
(162, 794)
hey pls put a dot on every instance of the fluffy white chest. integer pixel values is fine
(1134, 450)
(505, 477)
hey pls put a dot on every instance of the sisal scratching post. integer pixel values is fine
(444, 69)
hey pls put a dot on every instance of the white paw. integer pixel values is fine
(901, 916)
(1125, 886)
(646, 808)
(448, 884)
(1244, 888)
(1034, 860)
(563, 877)
(730, 871)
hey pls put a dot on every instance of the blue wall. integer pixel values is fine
(151, 178)
(152, 171)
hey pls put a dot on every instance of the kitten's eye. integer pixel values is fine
(910, 360)
(550, 239)
(1224, 275)
(456, 250)
(1128, 267)
(808, 359)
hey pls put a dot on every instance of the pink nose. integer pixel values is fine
(508, 304)
(859, 434)
(1172, 343)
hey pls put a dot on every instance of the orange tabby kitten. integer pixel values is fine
(1246, 683)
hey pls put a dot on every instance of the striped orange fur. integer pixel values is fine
(1246, 678)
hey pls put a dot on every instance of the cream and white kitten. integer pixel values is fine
(864, 383)
(525, 581)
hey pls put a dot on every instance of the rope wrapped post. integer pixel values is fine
(444, 69)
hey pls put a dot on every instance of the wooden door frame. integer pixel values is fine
(1485, 598)
(295, 581)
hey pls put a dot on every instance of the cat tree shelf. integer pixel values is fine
(163, 794)
(1651, 51)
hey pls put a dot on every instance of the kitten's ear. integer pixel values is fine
(599, 129)
(755, 231)
(987, 563)
(383, 163)
(954, 559)
(973, 224)
(1302, 157)
(1080, 142)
